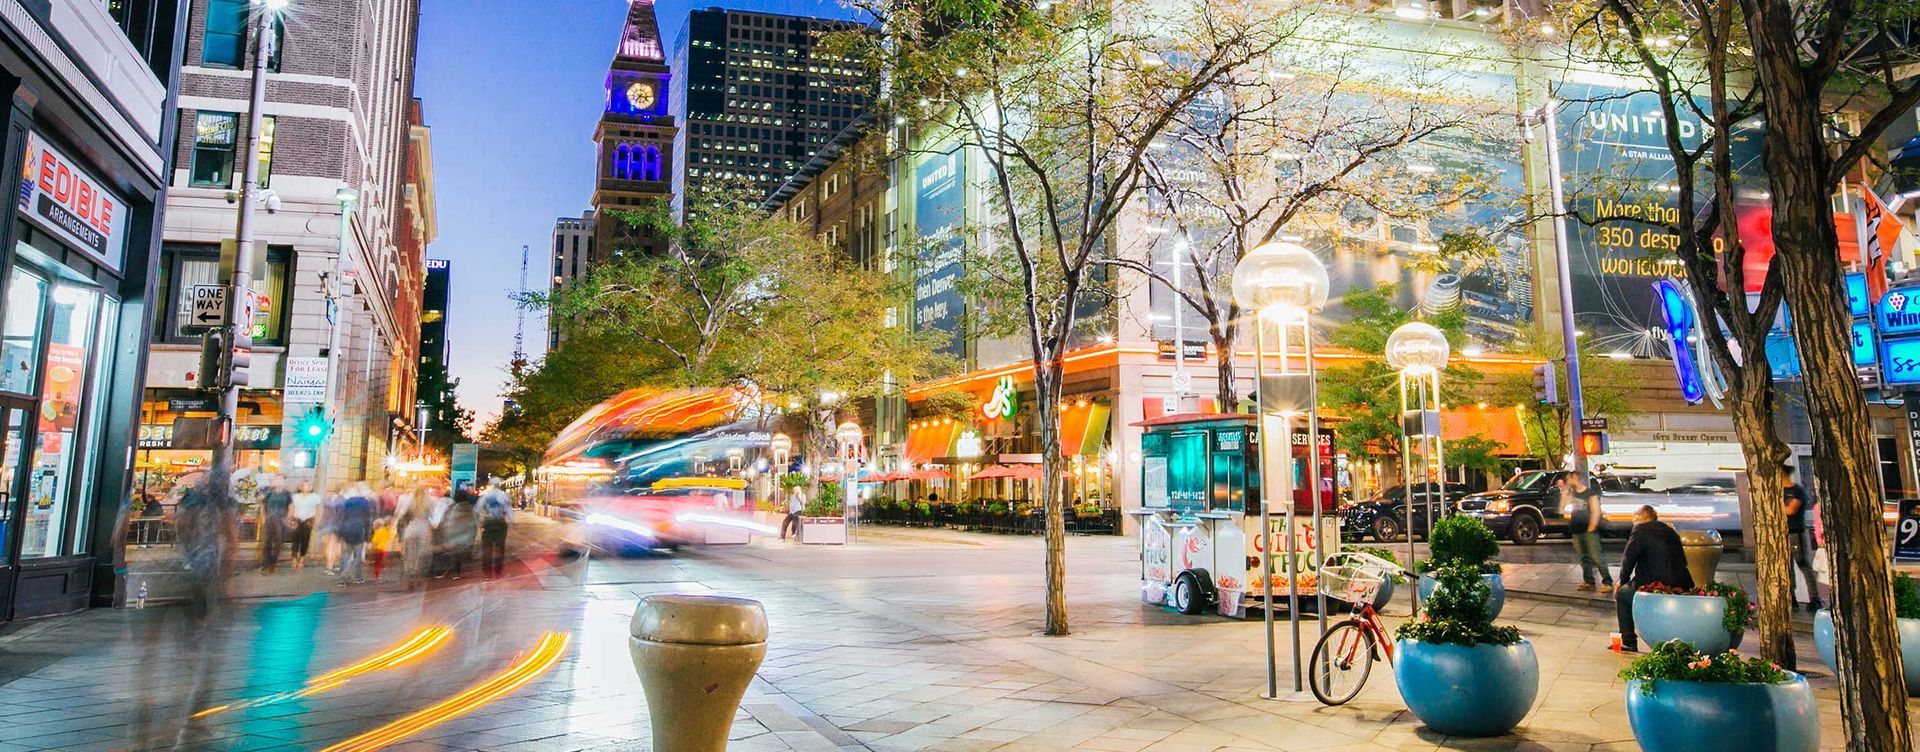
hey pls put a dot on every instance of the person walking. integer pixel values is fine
(305, 508)
(353, 527)
(1799, 508)
(275, 517)
(796, 503)
(496, 515)
(1581, 503)
(457, 531)
(416, 536)
(1653, 557)
(328, 526)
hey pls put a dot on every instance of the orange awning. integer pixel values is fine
(1501, 424)
(931, 439)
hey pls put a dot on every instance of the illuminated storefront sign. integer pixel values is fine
(1901, 361)
(1004, 402)
(66, 201)
(1900, 311)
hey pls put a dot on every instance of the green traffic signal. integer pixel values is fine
(312, 428)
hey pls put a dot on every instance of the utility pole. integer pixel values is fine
(239, 321)
(1576, 412)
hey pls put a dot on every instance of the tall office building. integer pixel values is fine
(635, 135)
(572, 251)
(757, 96)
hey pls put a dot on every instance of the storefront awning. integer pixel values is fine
(1501, 424)
(933, 438)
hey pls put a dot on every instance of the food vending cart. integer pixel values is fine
(1200, 536)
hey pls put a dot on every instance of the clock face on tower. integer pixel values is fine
(640, 95)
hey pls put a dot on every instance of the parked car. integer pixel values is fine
(1384, 517)
(1524, 509)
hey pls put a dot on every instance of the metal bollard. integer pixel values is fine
(695, 655)
(1702, 549)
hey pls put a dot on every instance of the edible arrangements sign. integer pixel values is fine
(57, 195)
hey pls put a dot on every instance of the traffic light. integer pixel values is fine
(240, 362)
(211, 352)
(312, 428)
(1546, 384)
(1593, 442)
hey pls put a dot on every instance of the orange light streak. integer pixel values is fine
(420, 643)
(528, 667)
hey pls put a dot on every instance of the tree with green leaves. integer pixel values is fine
(1061, 102)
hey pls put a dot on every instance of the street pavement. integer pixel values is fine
(907, 640)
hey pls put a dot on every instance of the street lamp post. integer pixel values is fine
(1568, 334)
(334, 282)
(1419, 351)
(1284, 284)
(241, 283)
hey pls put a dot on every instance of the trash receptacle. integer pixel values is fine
(695, 655)
(1703, 550)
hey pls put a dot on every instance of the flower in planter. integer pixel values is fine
(1676, 660)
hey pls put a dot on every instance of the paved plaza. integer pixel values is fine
(908, 640)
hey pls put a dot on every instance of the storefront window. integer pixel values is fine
(69, 347)
(190, 270)
(94, 425)
(213, 144)
(20, 338)
(9, 460)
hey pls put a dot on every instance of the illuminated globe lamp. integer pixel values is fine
(1417, 349)
(1282, 281)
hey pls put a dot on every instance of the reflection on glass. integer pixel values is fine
(69, 344)
(9, 459)
(20, 339)
(96, 403)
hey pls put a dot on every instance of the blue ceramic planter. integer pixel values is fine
(1483, 690)
(1909, 646)
(1495, 600)
(1697, 619)
(1684, 716)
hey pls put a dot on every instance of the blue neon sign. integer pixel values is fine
(1902, 358)
(1677, 308)
(1900, 311)
(1864, 353)
(1857, 296)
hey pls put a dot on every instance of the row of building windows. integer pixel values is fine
(636, 162)
(225, 43)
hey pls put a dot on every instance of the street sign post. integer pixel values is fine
(209, 307)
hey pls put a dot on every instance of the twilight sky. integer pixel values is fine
(512, 89)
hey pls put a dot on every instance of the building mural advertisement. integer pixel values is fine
(1619, 181)
(939, 189)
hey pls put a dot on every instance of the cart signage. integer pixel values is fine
(1155, 543)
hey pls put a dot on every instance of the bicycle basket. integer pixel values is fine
(1353, 583)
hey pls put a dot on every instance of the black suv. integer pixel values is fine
(1525, 509)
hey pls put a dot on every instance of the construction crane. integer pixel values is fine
(518, 365)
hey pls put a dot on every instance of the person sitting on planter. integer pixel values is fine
(1653, 557)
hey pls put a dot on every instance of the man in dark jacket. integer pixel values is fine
(1653, 557)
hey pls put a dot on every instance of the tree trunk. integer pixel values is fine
(1047, 378)
(1228, 395)
(1873, 695)
(1764, 451)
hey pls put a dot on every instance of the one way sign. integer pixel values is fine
(209, 307)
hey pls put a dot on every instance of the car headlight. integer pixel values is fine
(1500, 505)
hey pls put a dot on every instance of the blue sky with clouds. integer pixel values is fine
(512, 89)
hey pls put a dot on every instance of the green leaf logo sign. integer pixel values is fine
(1004, 401)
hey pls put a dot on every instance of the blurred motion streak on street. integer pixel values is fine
(530, 666)
(420, 643)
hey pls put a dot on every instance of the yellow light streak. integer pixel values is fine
(420, 643)
(528, 667)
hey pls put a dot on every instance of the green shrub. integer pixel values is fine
(794, 480)
(924, 508)
(1676, 660)
(997, 508)
(1462, 541)
(1456, 613)
(826, 504)
(1739, 610)
(1906, 596)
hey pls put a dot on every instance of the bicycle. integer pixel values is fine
(1344, 656)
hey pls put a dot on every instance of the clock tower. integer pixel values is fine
(635, 136)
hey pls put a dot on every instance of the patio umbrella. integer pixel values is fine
(932, 474)
(992, 471)
(1025, 472)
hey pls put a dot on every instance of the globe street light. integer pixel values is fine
(1284, 284)
(1419, 351)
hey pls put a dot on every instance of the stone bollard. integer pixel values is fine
(695, 655)
(1702, 549)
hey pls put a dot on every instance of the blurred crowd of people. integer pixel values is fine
(357, 534)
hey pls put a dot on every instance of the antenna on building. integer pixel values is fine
(518, 365)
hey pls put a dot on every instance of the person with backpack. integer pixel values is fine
(496, 515)
(353, 528)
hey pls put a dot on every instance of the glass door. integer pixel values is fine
(12, 438)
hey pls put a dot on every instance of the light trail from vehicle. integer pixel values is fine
(525, 669)
(723, 521)
(419, 644)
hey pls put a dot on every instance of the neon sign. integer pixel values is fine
(1004, 401)
(1677, 307)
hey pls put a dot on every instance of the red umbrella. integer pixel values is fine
(1025, 472)
(993, 471)
(931, 474)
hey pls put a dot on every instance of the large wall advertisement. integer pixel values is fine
(939, 190)
(1619, 180)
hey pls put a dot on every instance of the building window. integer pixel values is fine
(226, 37)
(213, 138)
(185, 267)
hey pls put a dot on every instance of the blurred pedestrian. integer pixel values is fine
(353, 527)
(326, 527)
(416, 535)
(796, 504)
(458, 530)
(1581, 504)
(305, 508)
(378, 544)
(496, 515)
(1654, 556)
(275, 517)
(1800, 533)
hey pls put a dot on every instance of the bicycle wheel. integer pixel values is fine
(1341, 661)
